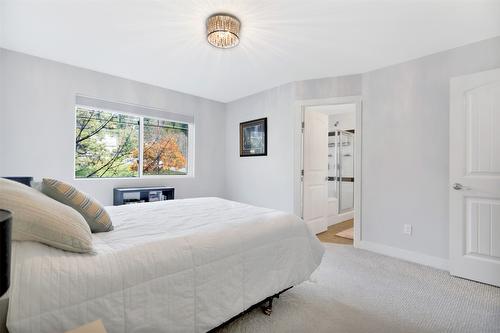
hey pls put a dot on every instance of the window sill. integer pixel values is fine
(139, 178)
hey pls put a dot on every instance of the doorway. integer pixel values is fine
(330, 168)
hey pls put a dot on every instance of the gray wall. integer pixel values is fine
(262, 180)
(268, 180)
(405, 144)
(349, 85)
(37, 100)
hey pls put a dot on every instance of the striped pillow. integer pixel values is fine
(93, 212)
(38, 218)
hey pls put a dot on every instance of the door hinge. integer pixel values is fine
(303, 126)
(302, 175)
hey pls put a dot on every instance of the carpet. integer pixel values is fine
(348, 233)
(355, 290)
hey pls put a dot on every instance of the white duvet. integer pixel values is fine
(172, 266)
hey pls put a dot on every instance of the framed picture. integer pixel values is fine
(253, 138)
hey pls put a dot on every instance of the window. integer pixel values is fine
(165, 148)
(105, 144)
(108, 145)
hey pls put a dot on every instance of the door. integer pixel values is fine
(475, 177)
(315, 172)
(346, 172)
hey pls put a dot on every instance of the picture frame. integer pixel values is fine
(253, 138)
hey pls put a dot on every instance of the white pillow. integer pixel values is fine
(36, 217)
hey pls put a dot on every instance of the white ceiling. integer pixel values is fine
(162, 42)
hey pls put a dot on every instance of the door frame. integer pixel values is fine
(299, 109)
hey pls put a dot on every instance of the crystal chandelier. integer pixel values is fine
(223, 31)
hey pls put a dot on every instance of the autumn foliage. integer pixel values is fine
(161, 156)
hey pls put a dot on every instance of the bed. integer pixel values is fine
(172, 266)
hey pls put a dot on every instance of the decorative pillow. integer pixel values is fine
(93, 212)
(36, 217)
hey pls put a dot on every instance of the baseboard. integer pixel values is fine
(411, 256)
(339, 218)
(317, 226)
(332, 220)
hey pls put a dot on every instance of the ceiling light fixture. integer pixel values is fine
(223, 31)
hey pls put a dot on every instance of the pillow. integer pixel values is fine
(36, 217)
(93, 212)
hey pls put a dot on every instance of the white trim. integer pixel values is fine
(316, 226)
(339, 218)
(358, 146)
(191, 150)
(299, 108)
(415, 257)
(135, 178)
(140, 148)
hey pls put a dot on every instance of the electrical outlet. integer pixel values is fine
(407, 229)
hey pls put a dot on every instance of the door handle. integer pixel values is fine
(459, 187)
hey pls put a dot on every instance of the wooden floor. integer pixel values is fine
(330, 236)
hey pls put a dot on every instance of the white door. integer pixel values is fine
(475, 177)
(315, 181)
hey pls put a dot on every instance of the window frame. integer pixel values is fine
(140, 175)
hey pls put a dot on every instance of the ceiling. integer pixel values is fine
(162, 42)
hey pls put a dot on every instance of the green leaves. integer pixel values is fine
(104, 144)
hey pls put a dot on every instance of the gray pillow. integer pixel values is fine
(93, 212)
(39, 218)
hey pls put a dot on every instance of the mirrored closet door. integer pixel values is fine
(345, 183)
(341, 169)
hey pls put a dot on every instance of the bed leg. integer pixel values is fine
(268, 309)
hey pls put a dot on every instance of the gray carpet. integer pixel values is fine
(359, 291)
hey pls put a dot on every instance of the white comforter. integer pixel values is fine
(173, 266)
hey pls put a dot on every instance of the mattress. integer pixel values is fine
(172, 266)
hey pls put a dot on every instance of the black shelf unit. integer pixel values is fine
(140, 194)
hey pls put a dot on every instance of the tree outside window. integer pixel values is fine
(107, 145)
